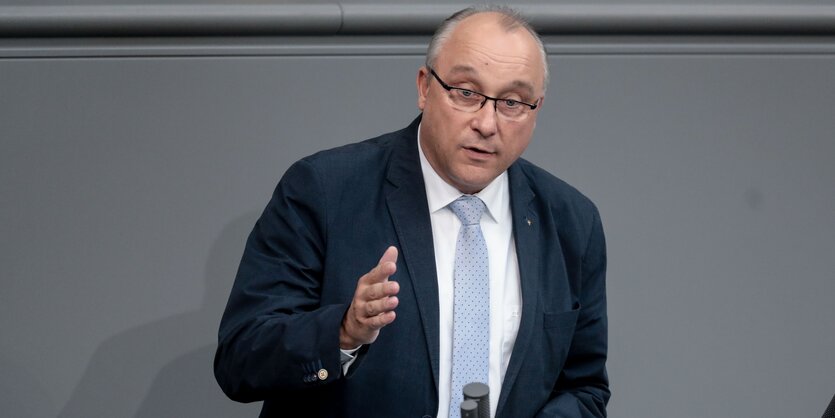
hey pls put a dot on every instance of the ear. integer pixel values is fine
(422, 83)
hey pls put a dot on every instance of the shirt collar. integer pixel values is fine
(439, 193)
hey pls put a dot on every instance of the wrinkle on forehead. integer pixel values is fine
(481, 46)
(513, 84)
(484, 40)
(491, 53)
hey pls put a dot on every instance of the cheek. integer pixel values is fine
(519, 139)
(521, 145)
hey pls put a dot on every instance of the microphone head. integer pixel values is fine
(476, 390)
(480, 393)
(469, 409)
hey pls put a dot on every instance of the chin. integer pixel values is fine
(471, 187)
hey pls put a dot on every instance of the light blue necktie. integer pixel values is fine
(471, 307)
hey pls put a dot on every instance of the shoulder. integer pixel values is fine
(560, 206)
(348, 167)
(558, 195)
(365, 156)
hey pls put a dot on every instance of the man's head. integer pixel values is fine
(490, 51)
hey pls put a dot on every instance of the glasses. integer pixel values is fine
(472, 101)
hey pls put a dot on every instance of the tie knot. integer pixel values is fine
(468, 209)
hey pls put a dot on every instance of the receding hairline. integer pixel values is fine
(507, 18)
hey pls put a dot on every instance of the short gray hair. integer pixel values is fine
(511, 19)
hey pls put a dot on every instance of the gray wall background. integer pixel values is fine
(133, 167)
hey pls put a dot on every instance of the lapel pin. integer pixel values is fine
(530, 222)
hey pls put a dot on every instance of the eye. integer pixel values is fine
(510, 103)
(465, 96)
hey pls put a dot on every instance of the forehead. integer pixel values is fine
(481, 47)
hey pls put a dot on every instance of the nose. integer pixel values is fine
(485, 119)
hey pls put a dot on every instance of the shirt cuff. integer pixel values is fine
(347, 358)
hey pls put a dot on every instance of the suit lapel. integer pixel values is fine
(409, 211)
(526, 233)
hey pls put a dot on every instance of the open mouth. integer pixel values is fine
(478, 150)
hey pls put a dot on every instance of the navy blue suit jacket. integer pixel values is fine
(329, 220)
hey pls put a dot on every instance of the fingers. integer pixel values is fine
(379, 306)
(371, 325)
(378, 290)
(385, 268)
(373, 300)
(372, 308)
(382, 320)
(389, 256)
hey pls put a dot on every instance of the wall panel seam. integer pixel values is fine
(418, 19)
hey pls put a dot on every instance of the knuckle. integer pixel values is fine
(377, 322)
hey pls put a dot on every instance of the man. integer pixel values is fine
(508, 289)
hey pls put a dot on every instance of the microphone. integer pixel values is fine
(469, 409)
(830, 410)
(479, 393)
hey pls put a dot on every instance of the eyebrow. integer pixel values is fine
(463, 69)
(466, 69)
(523, 85)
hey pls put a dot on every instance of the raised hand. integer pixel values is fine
(373, 305)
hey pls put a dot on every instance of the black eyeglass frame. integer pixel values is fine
(495, 100)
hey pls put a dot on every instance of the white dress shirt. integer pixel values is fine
(505, 293)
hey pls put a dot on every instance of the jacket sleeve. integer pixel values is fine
(275, 335)
(582, 389)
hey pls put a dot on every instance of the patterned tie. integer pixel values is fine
(471, 307)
